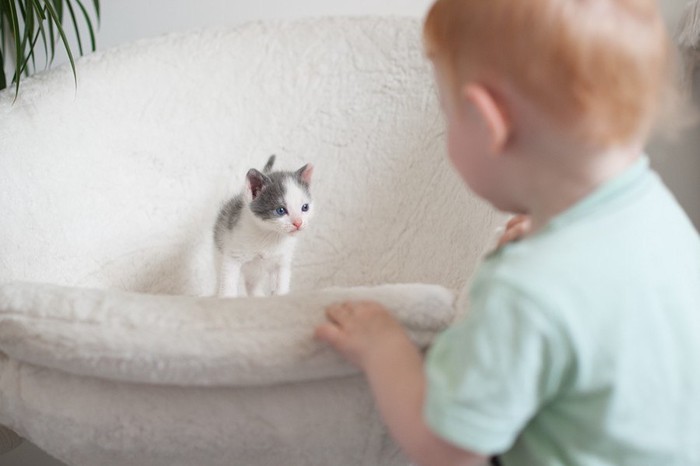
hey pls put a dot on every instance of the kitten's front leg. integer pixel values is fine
(253, 275)
(280, 277)
(229, 277)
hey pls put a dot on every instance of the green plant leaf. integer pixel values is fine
(14, 26)
(29, 28)
(50, 54)
(75, 26)
(27, 41)
(97, 9)
(41, 19)
(25, 23)
(89, 25)
(53, 14)
(58, 4)
(3, 81)
(52, 39)
(37, 31)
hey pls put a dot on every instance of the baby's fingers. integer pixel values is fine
(516, 228)
(338, 340)
(339, 313)
(328, 333)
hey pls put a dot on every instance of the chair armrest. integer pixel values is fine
(182, 340)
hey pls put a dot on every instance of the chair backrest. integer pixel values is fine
(117, 184)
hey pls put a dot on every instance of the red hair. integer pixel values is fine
(600, 66)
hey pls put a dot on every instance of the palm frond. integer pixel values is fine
(57, 19)
(15, 37)
(86, 17)
(3, 82)
(29, 26)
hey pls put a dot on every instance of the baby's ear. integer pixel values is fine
(255, 182)
(493, 113)
(305, 173)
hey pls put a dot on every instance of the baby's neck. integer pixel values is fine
(559, 180)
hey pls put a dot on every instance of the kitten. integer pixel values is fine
(256, 231)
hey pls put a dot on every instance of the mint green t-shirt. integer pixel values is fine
(582, 343)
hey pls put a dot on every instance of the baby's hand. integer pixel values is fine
(516, 228)
(363, 332)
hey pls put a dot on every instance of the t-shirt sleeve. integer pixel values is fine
(490, 373)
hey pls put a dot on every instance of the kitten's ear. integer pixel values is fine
(255, 182)
(305, 173)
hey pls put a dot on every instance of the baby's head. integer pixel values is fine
(600, 67)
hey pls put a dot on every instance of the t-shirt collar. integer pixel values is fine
(607, 192)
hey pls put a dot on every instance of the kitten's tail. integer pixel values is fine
(269, 164)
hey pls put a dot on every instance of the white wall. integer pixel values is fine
(126, 20)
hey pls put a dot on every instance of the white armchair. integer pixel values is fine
(110, 351)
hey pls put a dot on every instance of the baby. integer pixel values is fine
(582, 343)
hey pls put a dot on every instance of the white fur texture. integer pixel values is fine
(116, 186)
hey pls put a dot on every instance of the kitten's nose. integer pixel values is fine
(297, 224)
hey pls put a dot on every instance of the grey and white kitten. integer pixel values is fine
(256, 231)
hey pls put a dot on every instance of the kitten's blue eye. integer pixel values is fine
(281, 211)
(305, 208)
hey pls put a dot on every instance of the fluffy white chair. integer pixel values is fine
(110, 351)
